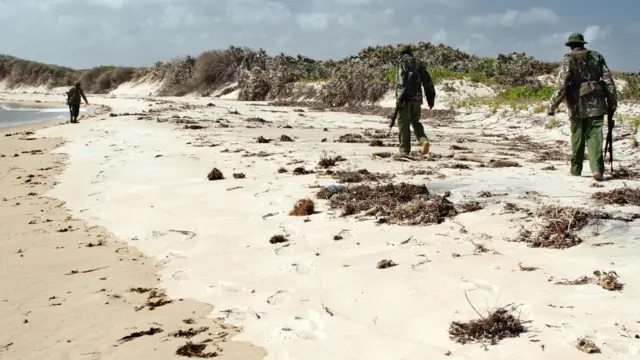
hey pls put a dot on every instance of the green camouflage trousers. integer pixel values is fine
(587, 131)
(410, 115)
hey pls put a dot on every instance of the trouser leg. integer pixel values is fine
(577, 145)
(594, 144)
(404, 128)
(418, 129)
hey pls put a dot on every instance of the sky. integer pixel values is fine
(87, 33)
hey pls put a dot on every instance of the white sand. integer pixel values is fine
(116, 178)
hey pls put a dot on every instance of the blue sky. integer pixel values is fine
(139, 32)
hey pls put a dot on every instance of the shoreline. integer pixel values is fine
(97, 308)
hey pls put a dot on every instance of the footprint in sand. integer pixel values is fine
(305, 268)
(279, 297)
(480, 285)
(301, 328)
(228, 286)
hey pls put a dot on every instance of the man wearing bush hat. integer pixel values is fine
(411, 77)
(585, 84)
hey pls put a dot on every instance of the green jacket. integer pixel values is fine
(585, 83)
(410, 63)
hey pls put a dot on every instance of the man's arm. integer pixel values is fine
(427, 84)
(612, 93)
(562, 84)
(83, 96)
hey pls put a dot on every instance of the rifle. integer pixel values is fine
(609, 143)
(399, 105)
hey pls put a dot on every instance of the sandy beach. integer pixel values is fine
(122, 201)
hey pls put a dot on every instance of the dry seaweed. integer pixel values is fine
(385, 264)
(499, 163)
(262, 140)
(359, 176)
(278, 239)
(527, 268)
(137, 334)
(351, 139)
(376, 143)
(215, 174)
(619, 196)
(195, 350)
(282, 170)
(327, 162)
(402, 203)
(189, 333)
(557, 225)
(497, 325)
(300, 170)
(285, 138)
(303, 207)
(239, 176)
(608, 280)
(587, 346)
(460, 166)
(470, 206)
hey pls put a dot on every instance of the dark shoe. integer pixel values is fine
(597, 176)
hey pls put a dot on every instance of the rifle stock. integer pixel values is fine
(609, 143)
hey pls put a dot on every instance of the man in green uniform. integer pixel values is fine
(411, 77)
(74, 99)
(585, 83)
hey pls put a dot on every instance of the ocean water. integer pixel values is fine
(17, 114)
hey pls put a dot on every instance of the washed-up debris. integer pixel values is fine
(327, 162)
(195, 350)
(582, 280)
(262, 140)
(498, 163)
(361, 175)
(459, 166)
(282, 170)
(385, 264)
(556, 227)
(278, 239)
(189, 333)
(137, 334)
(303, 207)
(302, 171)
(285, 138)
(620, 196)
(194, 127)
(608, 280)
(587, 346)
(548, 168)
(376, 143)
(397, 203)
(256, 120)
(527, 268)
(215, 174)
(470, 206)
(495, 326)
(239, 176)
(351, 139)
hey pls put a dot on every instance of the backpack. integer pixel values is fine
(73, 96)
(411, 79)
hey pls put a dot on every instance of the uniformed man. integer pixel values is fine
(585, 83)
(74, 99)
(411, 78)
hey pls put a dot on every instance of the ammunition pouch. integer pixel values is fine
(591, 87)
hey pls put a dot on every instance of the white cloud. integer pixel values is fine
(313, 22)
(441, 36)
(513, 18)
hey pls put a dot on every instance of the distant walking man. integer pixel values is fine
(411, 77)
(585, 83)
(74, 99)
